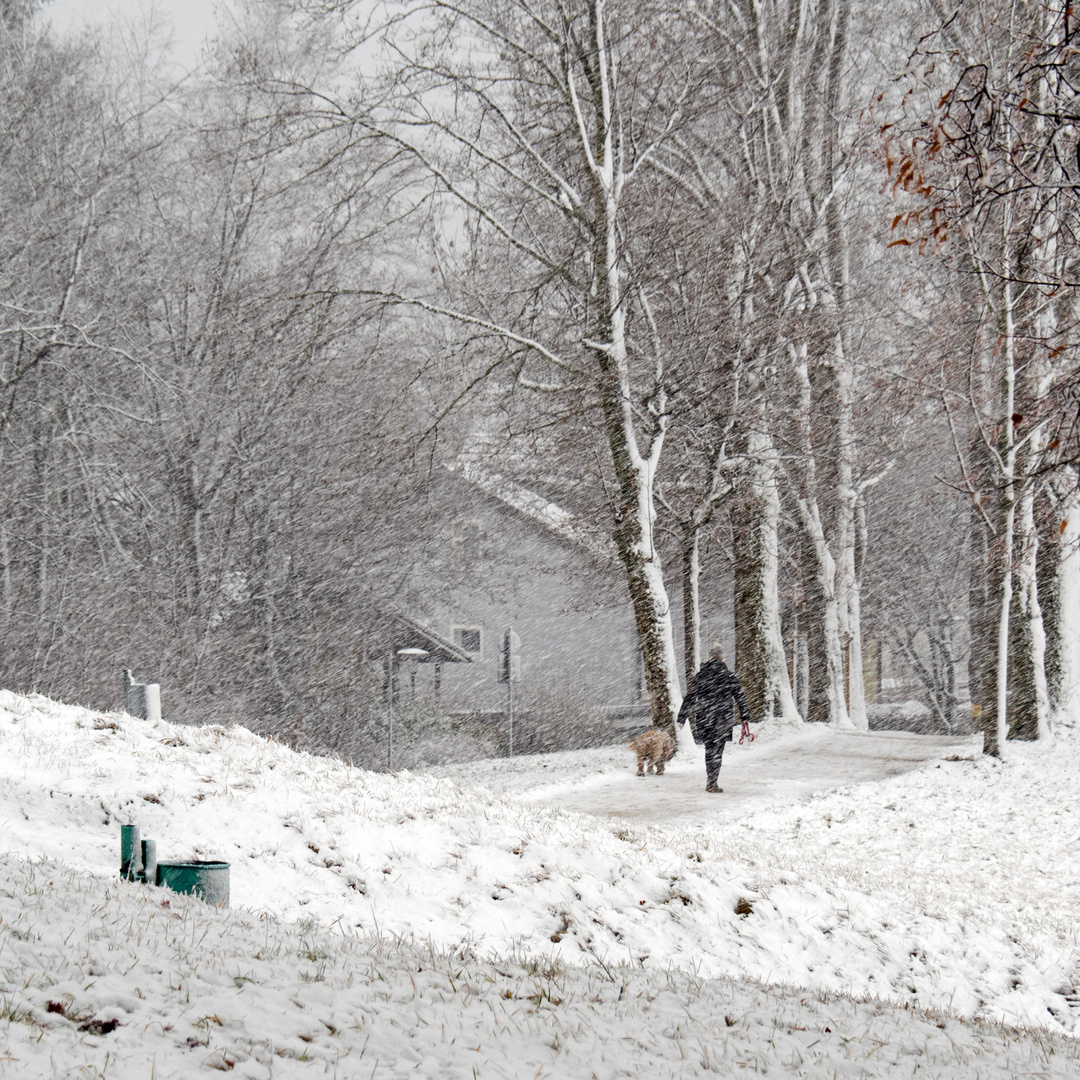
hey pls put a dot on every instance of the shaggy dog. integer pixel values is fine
(654, 746)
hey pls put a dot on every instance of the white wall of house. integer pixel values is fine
(495, 567)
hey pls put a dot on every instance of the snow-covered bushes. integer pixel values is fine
(904, 716)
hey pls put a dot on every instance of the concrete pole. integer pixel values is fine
(141, 700)
(134, 697)
(510, 711)
(149, 861)
(390, 662)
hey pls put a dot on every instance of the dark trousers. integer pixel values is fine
(714, 756)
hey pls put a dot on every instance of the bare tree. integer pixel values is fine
(548, 139)
(70, 156)
(200, 415)
(776, 154)
(989, 177)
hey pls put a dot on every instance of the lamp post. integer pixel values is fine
(402, 654)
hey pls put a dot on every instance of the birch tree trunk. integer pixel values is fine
(1003, 550)
(823, 589)
(1066, 666)
(1029, 707)
(1047, 567)
(761, 665)
(982, 663)
(635, 521)
(691, 571)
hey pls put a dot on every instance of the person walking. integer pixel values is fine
(712, 694)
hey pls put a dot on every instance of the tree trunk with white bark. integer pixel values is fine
(761, 664)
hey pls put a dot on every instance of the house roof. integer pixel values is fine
(404, 632)
(557, 520)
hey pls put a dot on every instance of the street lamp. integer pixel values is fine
(402, 654)
(416, 655)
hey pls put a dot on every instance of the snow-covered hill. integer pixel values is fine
(383, 917)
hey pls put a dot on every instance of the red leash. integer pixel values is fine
(746, 732)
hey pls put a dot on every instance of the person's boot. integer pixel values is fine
(713, 760)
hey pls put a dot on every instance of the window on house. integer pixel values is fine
(469, 639)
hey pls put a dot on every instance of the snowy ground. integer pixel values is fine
(410, 925)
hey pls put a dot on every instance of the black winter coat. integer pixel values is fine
(710, 697)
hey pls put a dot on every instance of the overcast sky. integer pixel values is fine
(190, 20)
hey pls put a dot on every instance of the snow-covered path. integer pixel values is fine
(768, 772)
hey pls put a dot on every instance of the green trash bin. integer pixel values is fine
(209, 881)
(130, 853)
